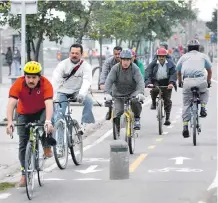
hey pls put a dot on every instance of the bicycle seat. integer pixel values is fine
(194, 89)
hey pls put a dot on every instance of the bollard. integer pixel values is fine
(119, 160)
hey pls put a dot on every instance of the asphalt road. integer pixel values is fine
(164, 169)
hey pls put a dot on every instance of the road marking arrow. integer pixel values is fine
(179, 160)
(90, 169)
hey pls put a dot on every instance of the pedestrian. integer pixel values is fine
(8, 58)
(16, 62)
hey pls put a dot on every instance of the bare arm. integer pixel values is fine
(48, 109)
(179, 77)
(10, 109)
(209, 74)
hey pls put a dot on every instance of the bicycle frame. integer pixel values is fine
(128, 115)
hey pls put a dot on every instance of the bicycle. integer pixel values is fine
(195, 118)
(130, 133)
(67, 135)
(99, 69)
(34, 156)
(160, 108)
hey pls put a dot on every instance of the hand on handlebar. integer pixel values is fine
(150, 85)
(10, 129)
(170, 86)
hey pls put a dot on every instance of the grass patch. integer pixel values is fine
(6, 185)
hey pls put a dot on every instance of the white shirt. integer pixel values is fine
(162, 71)
(79, 82)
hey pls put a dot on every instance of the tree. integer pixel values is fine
(45, 23)
(212, 25)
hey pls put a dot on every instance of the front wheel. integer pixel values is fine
(61, 148)
(40, 163)
(130, 136)
(76, 143)
(29, 170)
(160, 116)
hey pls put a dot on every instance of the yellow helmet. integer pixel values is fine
(32, 68)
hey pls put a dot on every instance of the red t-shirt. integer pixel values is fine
(31, 101)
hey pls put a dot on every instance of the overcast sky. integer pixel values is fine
(206, 8)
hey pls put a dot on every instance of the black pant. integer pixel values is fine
(24, 133)
(166, 94)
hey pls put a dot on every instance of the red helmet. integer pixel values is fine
(161, 52)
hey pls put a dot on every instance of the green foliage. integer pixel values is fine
(212, 25)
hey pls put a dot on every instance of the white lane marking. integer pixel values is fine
(177, 117)
(165, 133)
(171, 126)
(171, 169)
(51, 179)
(90, 169)
(95, 159)
(173, 122)
(87, 179)
(214, 184)
(4, 195)
(179, 160)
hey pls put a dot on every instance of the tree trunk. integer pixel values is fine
(38, 44)
(33, 47)
(120, 42)
(137, 45)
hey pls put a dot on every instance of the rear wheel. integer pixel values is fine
(29, 170)
(76, 143)
(116, 133)
(194, 133)
(61, 148)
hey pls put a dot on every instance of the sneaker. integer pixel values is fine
(82, 128)
(185, 131)
(108, 115)
(137, 124)
(22, 182)
(203, 112)
(48, 152)
(167, 122)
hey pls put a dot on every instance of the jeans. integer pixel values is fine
(87, 114)
(24, 134)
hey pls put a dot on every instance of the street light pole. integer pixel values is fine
(23, 34)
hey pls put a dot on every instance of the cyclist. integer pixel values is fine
(138, 63)
(108, 64)
(162, 72)
(33, 95)
(191, 72)
(72, 78)
(163, 45)
(125, 80)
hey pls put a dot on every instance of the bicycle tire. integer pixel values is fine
(76, 139)
(62, 142)
(40, 163)
(115, 131)
(131, 138)
(94, 69)
(160, 117)
(29, 171)
(194, 127)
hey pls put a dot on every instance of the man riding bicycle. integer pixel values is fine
(106, 68)
(125, 80)
(72, 78)
(162, 72)
(191, 73)
(33, 95)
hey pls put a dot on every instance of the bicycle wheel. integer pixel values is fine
(116, 134)
(160, 116)
(61, 148)
(29, 170)
(40, 161)
(130, 136)
(76, 143)
(194, 130)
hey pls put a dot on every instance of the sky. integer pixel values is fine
(206, 8)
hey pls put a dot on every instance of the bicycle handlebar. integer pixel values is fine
(156, 86)
(68, 100)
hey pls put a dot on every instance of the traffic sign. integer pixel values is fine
(207, 36)
(31, 7)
